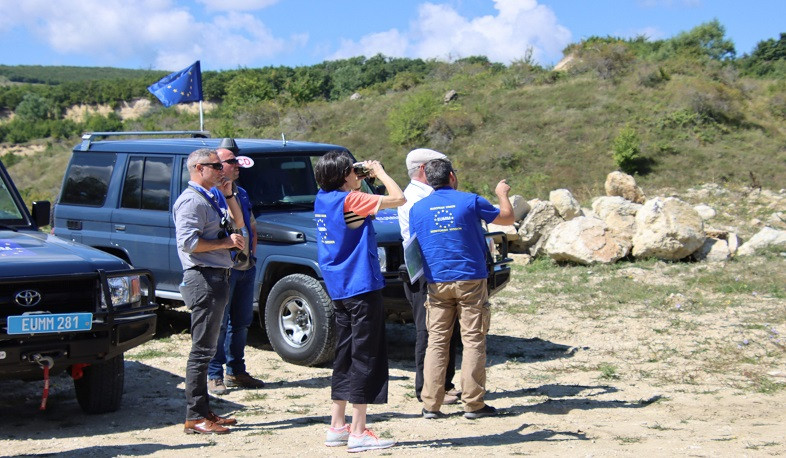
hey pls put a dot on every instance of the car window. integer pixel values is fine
(280, 179)
(147, 183)
(9, 210)
(87, 179)
(184, 175)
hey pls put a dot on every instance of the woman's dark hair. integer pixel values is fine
(438, 172)
(332, 170)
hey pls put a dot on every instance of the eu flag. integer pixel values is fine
(178, 87)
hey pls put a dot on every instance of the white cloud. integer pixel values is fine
(442, 33)
(154, 33)
(237, 5)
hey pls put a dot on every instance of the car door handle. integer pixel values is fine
(120, 227)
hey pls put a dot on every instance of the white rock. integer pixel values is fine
(624, 185)
(618, 213)
(766, 237)
(586, 241)
(520, 207)
(668, 229)
(567, 206)
(535, 228)
(705, 211)
(713, 250)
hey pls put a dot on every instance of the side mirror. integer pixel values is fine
(41, 212)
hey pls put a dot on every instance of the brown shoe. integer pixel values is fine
(203, 426)
(223, 421)
(216, 386)
(454, 392)
(243, 380)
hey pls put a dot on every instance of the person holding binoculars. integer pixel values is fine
(347, 254)
(239, 314)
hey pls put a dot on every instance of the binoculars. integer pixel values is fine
(360, 170)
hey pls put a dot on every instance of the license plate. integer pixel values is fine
(50, 323)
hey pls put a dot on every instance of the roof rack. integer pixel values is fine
(88, 137)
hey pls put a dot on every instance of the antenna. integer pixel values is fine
(283, 139)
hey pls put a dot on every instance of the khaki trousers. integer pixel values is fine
(467, 299)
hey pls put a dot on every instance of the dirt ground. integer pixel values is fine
(542, 374)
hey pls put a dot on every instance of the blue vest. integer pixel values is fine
(447, 224)
(347, 257)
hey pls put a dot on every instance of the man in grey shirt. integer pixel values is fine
(204, 238)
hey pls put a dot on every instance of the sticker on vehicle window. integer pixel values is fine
(245, 162)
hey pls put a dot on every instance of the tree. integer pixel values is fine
(704, 40)
(768, 56)
(33, 108)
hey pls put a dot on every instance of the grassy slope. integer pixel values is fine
(540, 137)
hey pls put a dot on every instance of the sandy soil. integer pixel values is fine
(542, 373)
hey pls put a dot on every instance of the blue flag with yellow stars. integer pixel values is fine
(179, 87)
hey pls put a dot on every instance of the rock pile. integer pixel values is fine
(625, 222)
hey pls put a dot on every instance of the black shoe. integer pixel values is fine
(486, 411)
(429, 415)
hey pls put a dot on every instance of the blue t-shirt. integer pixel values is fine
(347, 257)
(447, 225)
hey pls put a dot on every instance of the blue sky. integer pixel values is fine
(226, 34)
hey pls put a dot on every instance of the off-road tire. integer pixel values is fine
(100, 389)
(299, 321)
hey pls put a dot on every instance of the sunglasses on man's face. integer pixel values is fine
(214, 165)
(232, 161)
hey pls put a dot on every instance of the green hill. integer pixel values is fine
(686, 109)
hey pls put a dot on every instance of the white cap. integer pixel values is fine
(420, 156)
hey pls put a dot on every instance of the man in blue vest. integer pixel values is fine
(347, 252)
(230, 349)
(453, 244)
(416, 291)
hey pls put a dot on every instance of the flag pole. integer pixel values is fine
(201, 119)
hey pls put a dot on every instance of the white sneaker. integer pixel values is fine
(367, 441)
(337, 437)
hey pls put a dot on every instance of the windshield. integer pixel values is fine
(10, 213)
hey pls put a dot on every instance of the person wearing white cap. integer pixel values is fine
(417, 189)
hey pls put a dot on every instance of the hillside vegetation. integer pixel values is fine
(675, 112)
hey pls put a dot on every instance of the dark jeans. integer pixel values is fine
(416, 295)
(205, 292)
(360, 368)
(230, 348)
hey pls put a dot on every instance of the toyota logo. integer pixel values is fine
(28, 298)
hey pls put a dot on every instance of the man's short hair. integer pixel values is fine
(420, 156)
(200, 155)
(332, 170)
(438, 172)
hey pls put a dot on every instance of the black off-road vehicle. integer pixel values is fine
(66, 307)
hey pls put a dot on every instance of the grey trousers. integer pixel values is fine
(206, 293)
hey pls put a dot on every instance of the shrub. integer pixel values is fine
(608, 60)
(625, 150)
(408, 122)
(99, 123)
(33, 108)
(651, 78)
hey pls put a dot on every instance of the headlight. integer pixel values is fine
(123, 290)
(383, 259)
